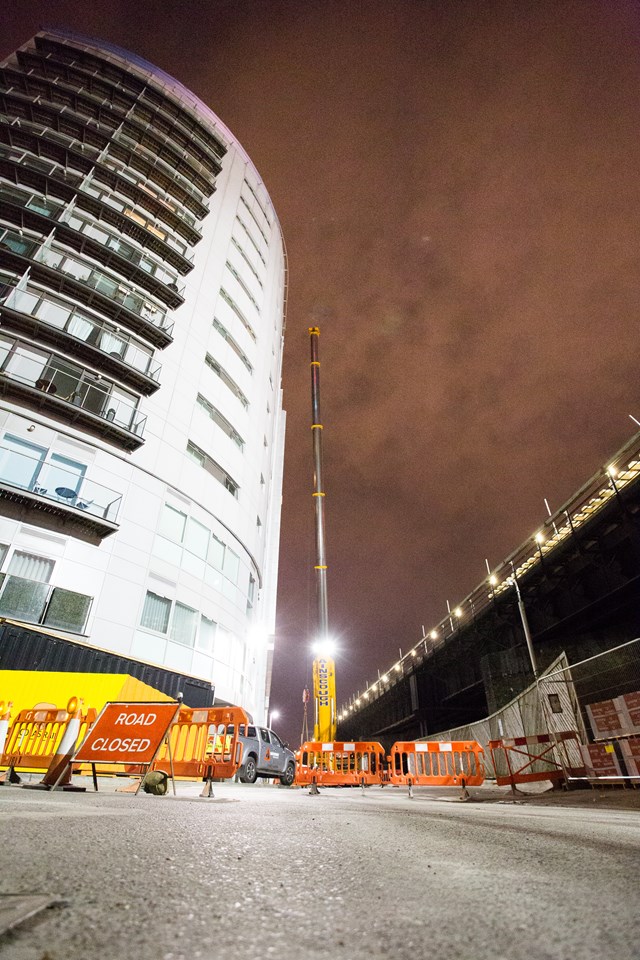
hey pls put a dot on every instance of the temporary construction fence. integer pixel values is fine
(587, 712)
(33, 738)
(439, 764)
(544, 756)
(604, 693)
(340, 764)
(204, 744)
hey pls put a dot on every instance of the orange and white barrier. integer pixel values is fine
(543, 756)
(436, 763)
(59, 769)
(5, 720)
(35, 736)
(340, 764)
(204, 744)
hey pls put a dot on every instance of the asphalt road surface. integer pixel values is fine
(263, 871)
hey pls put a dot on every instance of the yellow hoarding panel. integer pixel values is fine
(26, 688)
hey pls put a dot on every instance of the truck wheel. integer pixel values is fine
(289, 775)
(250, 774)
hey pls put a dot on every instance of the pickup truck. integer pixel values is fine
(264, 755)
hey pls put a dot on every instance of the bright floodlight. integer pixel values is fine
(275, 715)
(324, 648)
(539, 537)
(385, 678)
(458, 612)
(434, 634)
(611, 470)
(493, 580)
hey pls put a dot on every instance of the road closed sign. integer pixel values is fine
(127, 733)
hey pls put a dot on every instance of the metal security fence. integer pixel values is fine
(589, 711)
(603, 694)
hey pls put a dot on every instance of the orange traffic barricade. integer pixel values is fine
(35, 735)
(436, 763)
(340, 764)
(542, 756)
(204, 744)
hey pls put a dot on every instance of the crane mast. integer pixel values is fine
(324, 674)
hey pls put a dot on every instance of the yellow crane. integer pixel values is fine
(324, 670)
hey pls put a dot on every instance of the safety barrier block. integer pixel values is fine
(340, 764)
(437, 763)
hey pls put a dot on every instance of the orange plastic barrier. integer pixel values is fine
(35, 735)
(437, 763)
(514, 759)
(204, 743)
(340, 764)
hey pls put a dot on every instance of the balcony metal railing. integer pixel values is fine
(81, 326)
(51, 477)
(68, 383)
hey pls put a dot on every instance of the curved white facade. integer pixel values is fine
(141, 439)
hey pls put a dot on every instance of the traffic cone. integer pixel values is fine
(9, 775)
(59, 771)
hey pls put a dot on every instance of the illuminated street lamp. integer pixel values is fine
(275, 715)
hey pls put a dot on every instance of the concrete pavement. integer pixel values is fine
(263, 871)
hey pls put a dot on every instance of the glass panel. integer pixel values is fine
(20, 462)
(23, 301)
(65, 477)
(67, 610)
(231, 565)
(24, 599)
(172, 523)
(183, 626)
(216, 552)
(206, 634)
(5, 347)
(55, 314)
(26, 364)
(197, 538)
(80, 327)
(155, 613)
(30, 566)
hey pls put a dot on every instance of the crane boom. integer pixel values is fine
(324, 674)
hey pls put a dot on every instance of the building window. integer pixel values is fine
(30, 567)
(206, 634)
(184, 624)
(226, 379)
(220, 420)
(238, 312)
(155, 613)
(210, 465)
(224, 333)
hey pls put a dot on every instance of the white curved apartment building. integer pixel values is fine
(142, 292)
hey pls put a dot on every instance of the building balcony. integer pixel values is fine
(67, 392)
(57, 323)
(33, 602)
(29, 213)
(47, 489)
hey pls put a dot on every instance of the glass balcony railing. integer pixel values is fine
(126, 250)
(36, 602)
(82, 326)
(68, 382)
(25, 466)
(108, 285)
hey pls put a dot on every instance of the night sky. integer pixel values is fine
(458, 185)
